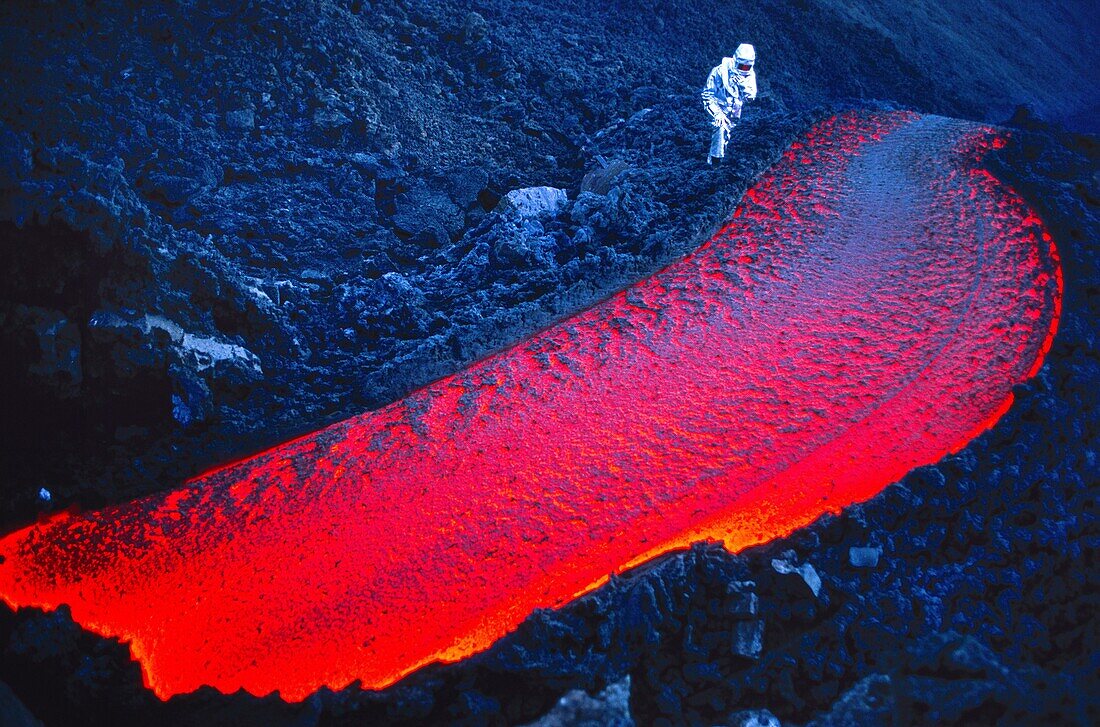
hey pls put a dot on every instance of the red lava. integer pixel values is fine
(867, 310)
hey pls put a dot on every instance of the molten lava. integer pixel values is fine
(867, 309)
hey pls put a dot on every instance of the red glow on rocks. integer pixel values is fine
(867, 310)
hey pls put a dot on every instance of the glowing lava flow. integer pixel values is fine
(867, 310)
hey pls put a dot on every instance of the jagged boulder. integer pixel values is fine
(533, 202)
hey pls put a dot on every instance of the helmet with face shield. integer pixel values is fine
(744, 58)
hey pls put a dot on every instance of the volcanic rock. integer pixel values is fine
(863, 557)
(869, 702)
(425, 210)
(534, 202)
(241, 119)
(600, 180)
(743, 605)
(748, 639)
(1009, 512)
(805, 571)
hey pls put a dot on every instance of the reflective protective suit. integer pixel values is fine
(726, 90)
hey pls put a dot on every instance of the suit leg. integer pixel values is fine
(718, 142)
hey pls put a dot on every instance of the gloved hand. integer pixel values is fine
(721, 121)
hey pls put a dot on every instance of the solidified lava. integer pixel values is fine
(867, 310)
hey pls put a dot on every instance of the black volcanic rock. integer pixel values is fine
(302, 197)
